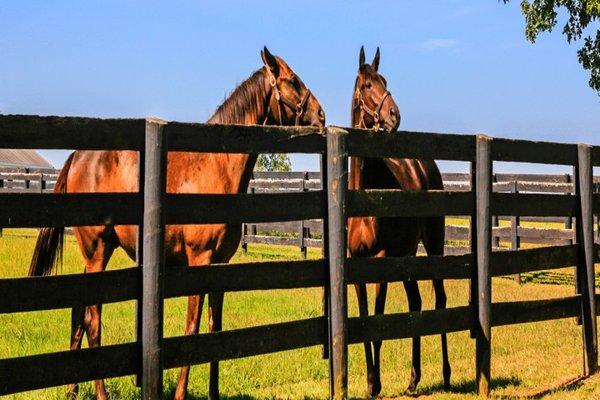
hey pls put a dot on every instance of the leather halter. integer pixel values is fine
(375, 114)
(299, 108)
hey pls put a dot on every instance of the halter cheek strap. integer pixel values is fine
(299, 108)
(364, 109)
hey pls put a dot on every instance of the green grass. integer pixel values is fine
(526, 359)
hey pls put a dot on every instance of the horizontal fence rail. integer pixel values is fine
(561, 197)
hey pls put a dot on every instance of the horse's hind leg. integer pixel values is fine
(97, 245)
(434, 245)
(380, 296)
(363, 311)
(77, 330)
(215, 324)
(192, 324)
(414, 304)
(93, 328)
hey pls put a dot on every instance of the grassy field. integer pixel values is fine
(527, 360)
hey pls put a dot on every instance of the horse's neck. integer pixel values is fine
(236, 168)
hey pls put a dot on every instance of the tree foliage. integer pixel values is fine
(541, 16)
(273, 162)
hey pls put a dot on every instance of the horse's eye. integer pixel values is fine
(369, 84)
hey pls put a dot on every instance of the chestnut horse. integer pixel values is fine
(373, 108)
(272, 95)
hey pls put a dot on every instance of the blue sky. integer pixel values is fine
(453, 66)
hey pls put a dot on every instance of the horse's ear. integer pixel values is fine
(375, 63)
(270, 61)
(361, 58)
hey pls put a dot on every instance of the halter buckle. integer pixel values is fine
(272, 80)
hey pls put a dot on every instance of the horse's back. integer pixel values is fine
(103, 171)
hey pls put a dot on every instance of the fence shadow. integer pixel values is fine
(464, 386)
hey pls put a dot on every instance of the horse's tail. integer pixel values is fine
(48, 251)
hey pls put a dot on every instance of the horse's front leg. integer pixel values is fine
(380, 296)
(215, 324)
(414, 304)
(363, 311)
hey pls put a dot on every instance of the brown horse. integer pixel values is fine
(272, 95)
(373, 108)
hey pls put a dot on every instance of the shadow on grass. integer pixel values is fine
(458, 387)
(464, 386)
(470, 387)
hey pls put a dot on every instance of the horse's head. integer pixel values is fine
(372, 104)
(290, 102)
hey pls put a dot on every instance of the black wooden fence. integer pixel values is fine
(151, 208)
(304, 234)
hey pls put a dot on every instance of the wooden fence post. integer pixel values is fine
(585, 239)
(1, 187)
(154, 259)
(302, 229)
(484, 248)
(41, 183)
(515, 221)
(495, 222)
(337, 182)
(473, 245)
(325, 254)
(139, 252)
(569, 220)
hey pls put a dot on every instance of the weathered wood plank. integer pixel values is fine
(153, 248)
(535, 178)
(586, 271)
(406, 325)
(63, 291)
(244, 139)
(272, 240)
(246, 342)
(521, 312)
(484, 203)
(404, 144)
(533, 204)
(596, 156)
(69, 209)
(520, 261)
(286, 175)
(36, 132)
(398, 203)
(455, 232)
(61, 368)
(517, 150)
(244, 207)
(337, 198)
(395, 269)
(289, 184)
(184, 281)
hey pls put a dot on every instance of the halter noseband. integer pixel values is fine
(375, 114)
(299, 108)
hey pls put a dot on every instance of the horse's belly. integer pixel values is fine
(370, 236)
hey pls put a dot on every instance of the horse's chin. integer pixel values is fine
(389, 128)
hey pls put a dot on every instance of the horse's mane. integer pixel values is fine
(248, 98)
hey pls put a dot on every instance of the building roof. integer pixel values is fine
(23, 159)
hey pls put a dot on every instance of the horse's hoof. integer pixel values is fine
(213, 396)
(412, 386)
(446, 386)
(373, 390)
